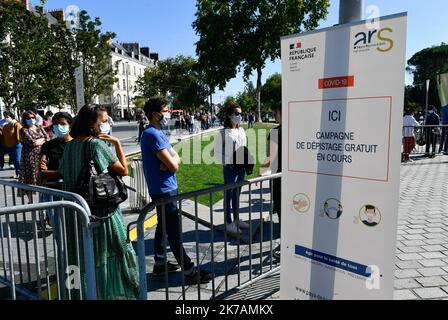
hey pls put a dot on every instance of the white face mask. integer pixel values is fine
(236, 119)
(163, 121)
(105, 128)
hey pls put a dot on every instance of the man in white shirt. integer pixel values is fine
(409, 123)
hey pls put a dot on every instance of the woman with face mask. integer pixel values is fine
(115, 259)
(32, 138)
(232, 138)
(51, 152)
(50, 158)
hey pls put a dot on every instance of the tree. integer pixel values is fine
(245, 101)
(88, 46)
(177, 77)
(271, 92)
(23, 56)
(245, 33)
(426, 65)
(37, 60)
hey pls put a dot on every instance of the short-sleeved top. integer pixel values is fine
(53, 150)
(159, 182)
(73, 160)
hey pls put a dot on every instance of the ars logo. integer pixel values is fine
(369, 38)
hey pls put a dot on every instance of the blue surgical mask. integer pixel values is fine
(105, 128)
(61, 130)
(30, 122)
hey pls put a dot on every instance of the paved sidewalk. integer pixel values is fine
(422, 241)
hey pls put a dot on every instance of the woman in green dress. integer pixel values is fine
(115, 260)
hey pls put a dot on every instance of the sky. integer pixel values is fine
(165, 26)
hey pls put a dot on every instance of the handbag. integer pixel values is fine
(103, 190)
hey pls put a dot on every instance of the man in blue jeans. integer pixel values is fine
(160, 164)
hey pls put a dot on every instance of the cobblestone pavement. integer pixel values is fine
(422, 241)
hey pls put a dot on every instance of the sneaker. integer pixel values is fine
(159, 268)
(192, 276)
(241, 224)
(11, 166)
(232, 228)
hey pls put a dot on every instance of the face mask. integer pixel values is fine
(30, 122)
(236, 119)
(163, 121)
(7, 120)
(105, 128)
(61, 131)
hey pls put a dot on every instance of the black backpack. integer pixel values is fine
(100, 190)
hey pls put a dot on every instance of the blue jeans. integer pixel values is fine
(232, 195)
(172, 215)
(14, 154)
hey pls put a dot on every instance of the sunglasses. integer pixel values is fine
(237, 113)
(30, 118)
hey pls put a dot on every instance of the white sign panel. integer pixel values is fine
(79, 78)
(343, 95)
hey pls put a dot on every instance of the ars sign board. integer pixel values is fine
(343, 91)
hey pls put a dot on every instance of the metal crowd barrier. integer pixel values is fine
(426, 135)
(39, 262)
(254, 255)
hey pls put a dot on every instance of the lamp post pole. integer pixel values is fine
(350, 11)
(127, 87)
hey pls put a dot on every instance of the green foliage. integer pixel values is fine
(37, 60)
(426, 65)
(22, 56)
(271, 92)
(178, 77)
(86, 45)
(243, 34)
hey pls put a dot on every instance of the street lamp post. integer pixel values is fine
(127, 86)
(350, 11)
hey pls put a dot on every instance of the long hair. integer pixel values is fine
(25, 115)
(85, 123)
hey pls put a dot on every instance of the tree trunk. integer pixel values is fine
(259, 93)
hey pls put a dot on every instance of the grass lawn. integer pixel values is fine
(193, 177)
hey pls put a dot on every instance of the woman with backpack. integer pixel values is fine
(115, 259)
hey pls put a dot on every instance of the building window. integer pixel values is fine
(124, 100)
(118, 99)
(124, 84)
(135, 71)
(118, 84)
(124, 70)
